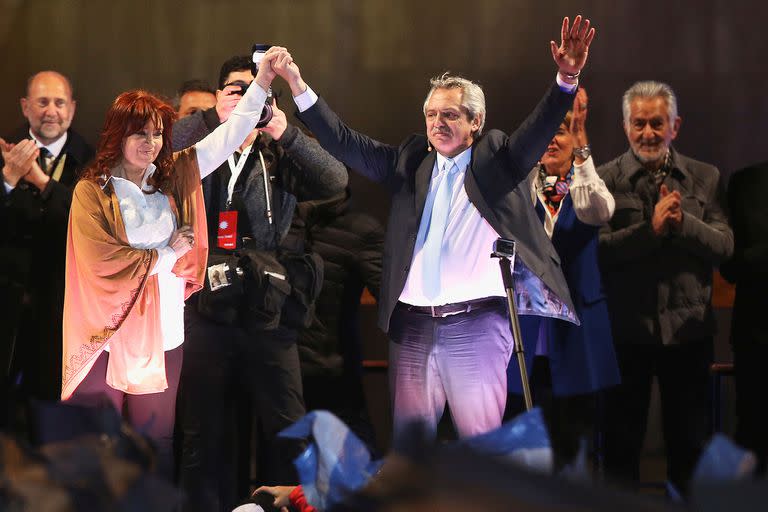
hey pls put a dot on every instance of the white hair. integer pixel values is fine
(472, 98)
(650, 89)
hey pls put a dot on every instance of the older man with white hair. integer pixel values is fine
(658, 252)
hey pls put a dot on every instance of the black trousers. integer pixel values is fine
(752, 417)
(235, 382)
(344, 396)
(684, 385)
(570, 419)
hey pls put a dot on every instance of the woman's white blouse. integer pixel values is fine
(149, 224)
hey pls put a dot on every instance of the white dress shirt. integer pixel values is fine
(467, 271)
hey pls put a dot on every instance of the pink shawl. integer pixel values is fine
(109, 289)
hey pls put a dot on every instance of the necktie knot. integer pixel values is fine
(450, 167)
(45, 159)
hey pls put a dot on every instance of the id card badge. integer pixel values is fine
(227, 236)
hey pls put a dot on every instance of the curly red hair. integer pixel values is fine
(129, 113)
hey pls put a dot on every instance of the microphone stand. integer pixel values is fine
(504, 250)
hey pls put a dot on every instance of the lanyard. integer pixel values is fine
(236, 170)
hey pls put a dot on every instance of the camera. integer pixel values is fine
(504, 247)
(266, 113)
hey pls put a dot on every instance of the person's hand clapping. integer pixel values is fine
(182, 240)
(578, 126)
(667, 213)
(36, 176)
(18, 160)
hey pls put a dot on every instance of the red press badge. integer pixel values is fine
(227, 238)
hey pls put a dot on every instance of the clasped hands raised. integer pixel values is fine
(570, 56)
(668, 212)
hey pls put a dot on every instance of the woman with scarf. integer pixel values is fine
(136, 249)
(573, 202)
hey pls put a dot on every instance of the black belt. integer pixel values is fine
(452, 309)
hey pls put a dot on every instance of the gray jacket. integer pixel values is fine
(659, 288)
(297, 165)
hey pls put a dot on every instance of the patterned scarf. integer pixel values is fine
(554, 188)
(661, 173)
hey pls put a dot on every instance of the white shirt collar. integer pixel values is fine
(119, 172)
(54, 147)
(461, 160)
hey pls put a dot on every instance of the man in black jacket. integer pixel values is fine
(330, 349)
(748, 269)
(657, 256)
(441, 299)
(39, 172)
(229, 368)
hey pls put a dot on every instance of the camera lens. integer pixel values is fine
(266, 113)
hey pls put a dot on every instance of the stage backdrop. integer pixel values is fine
(371, 59)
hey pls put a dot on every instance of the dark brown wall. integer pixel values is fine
(372, 59)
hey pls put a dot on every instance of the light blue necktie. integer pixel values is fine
(433, 243)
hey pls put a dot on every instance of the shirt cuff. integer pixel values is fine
(8, 188)
(306, 99)
(565, 86)
(166, 259)
(585, 171)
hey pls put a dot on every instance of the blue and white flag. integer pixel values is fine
(523, 441)
(724, 460)
(335, 464)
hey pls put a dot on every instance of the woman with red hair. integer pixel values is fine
(136, 249)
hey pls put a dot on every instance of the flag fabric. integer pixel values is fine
(723, 459)
(523, 441)
(336, 462)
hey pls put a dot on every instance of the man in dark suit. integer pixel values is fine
(442, 297)
(39, 171)
(748, 269)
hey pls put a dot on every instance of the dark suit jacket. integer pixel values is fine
(495, 184)
(748, 268)
(32, 261)
(34, 222)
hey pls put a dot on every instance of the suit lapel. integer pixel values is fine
(475, 196)
(423, 176)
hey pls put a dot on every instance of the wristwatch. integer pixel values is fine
(582, 152)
